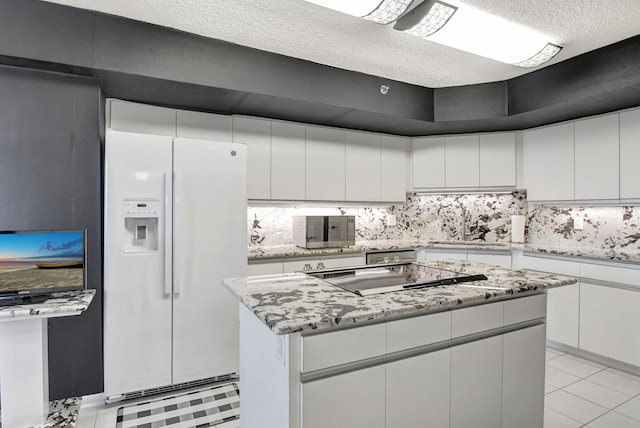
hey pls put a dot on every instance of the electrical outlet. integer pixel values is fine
(391, 220)
(578, 223)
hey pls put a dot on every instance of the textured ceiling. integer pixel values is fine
(310, 32)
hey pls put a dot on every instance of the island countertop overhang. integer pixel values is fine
(292, 303)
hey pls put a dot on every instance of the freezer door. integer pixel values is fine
(210, 243)
(137, 279)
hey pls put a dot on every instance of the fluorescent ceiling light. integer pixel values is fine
(477, 32)
(382, 12)
(426, 18)
(541, 57)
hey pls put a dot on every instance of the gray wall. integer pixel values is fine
(50, 178)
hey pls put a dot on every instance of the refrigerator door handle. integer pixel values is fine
(168, 247)
(177, 273)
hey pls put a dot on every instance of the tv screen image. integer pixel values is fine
(41, 262)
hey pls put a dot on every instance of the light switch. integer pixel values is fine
(391, 220)
(578, 223)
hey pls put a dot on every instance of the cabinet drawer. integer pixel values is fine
(340, 347)
(525, 309)
(550, 265)
(418, 331)
(476, 319)
(617, 274)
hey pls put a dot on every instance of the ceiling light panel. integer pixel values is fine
(382, 12)
(435, 19)
(541, 57)
(388, 11)
(472, 30)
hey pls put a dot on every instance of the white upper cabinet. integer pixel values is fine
(204, 126)
(287, 161)
(141, 118)
(498, 160)
(462, 161)
(629, 154)
(428, 163)
(393, 164)
(256, 133)
(548, 169)
(597, 158)
(362, 166)
(325, 164)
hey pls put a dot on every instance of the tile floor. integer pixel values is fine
(578, 393)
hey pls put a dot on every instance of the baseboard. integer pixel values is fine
(596, 358)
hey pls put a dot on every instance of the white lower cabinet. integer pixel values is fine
(609, 322)
(563, 312)
(351, 400)
(268, 267)
(418, 391)
(433, 254)
(279, 266)
(476, 384)
(523, 364)
(490, 258)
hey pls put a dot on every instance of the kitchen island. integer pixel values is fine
(314, 355)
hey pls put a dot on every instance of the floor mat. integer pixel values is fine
(217, 406)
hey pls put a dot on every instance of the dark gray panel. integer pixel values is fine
(602, 71)
(50, 178)
(471, 102)
(46, 32)
(146, 50)
(169, 93)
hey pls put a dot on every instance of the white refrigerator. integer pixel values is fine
(174, 226)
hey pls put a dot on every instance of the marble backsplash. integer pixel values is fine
(605, 227)
(422, 217)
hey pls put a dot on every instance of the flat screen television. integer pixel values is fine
(34, 264)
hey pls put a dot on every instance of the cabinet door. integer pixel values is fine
(393, 169)
(418, 391)
(362, 166)
(609, 323)
(476, 384)
(597, 158)
(351, 400)
(141, 118)
(498, 160)
(204, 126)
(523, 378)
(563, 306)
(287, 161)
(548, 163)
(256, 134)
(462, 161)
(325, 164)
(428, 163)
(629, 154)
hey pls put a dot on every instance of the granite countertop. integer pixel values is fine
(60, 304)
(613, 255)
(296, 302)
(631, 255)
(291, 251)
